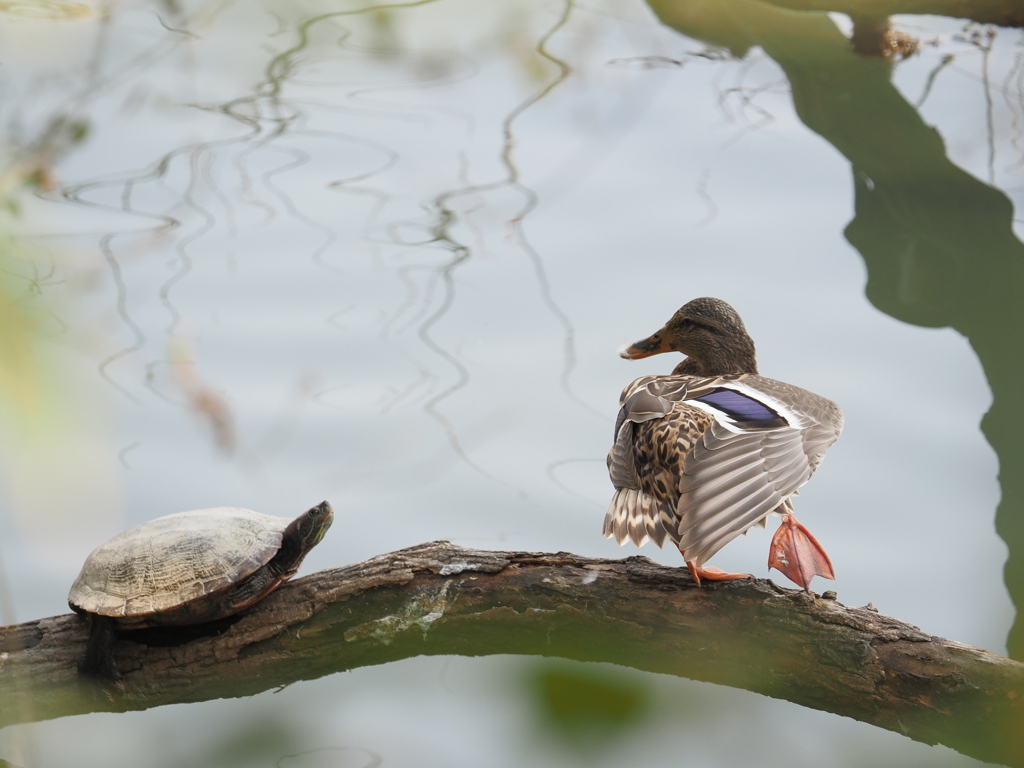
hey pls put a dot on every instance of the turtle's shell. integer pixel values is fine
(145, 575)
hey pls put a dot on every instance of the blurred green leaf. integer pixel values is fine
(588, 704)
(20, 385)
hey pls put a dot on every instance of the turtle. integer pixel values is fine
(187, 568)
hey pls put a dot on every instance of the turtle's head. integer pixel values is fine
(301, 535)
(710, 332)
(309, 528)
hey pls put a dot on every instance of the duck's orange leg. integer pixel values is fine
(711, 573)
(797, 554)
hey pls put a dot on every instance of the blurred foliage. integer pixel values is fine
(27, 393)
(47, 9)
(937, 242)
(20, 384)
(588, 705)
(251, 743)
(203, 400)
(29, 163)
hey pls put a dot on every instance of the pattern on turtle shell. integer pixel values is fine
(172, 560)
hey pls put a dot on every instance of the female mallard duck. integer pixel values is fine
(706, 453)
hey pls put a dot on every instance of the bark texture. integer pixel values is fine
(438, 598)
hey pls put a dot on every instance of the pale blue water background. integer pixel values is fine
(434, 393)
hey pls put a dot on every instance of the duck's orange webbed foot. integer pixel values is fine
(798, 555)
(711, 573)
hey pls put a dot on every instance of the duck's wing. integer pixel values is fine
(766, 440)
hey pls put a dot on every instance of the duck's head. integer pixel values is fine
(709, 332)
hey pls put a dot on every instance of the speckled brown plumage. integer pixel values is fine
(705, 453)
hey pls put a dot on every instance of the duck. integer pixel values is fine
(714, 448)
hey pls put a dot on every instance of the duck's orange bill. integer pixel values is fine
(652, 345)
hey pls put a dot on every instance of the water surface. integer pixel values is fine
(275, 253)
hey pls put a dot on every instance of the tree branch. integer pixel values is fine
(438, 598)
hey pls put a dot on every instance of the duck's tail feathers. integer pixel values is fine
(635, 516)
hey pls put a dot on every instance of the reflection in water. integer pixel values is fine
(336, 757)
(201, 399)
(938, 243)
(585, 705)
(269, 116)
(355, 249)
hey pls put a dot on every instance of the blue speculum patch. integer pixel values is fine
(742, 408)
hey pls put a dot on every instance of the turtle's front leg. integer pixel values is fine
(98, 661)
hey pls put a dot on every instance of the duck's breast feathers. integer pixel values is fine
(652, 437)
(639, 405)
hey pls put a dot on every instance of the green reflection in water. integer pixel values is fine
(251, 743)
(588, 706)
(937, 243)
